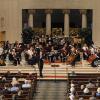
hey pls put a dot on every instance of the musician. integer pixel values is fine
(62, 42)
(7, 45)
(78, 58)
(47, 50)
(72, 56)
(52, 54)
(92, 50)
(16, 44)
(40, 63)
(94, 57)
(16, 57)
(64, 49)
(38, 48)
(32, 56)
(30, 52)
(63, 54)
(85, 51)
(63, 57)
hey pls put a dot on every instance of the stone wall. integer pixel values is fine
(11, 10)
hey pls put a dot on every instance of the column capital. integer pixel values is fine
(83, 11)
(31, 11)
(48, 11)
(66, 11)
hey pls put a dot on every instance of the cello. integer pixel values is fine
(92, 58)
(71, 58)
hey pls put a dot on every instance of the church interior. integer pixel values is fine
(49, 49)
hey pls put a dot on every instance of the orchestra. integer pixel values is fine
(53, 48)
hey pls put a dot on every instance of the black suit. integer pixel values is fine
(40, 65)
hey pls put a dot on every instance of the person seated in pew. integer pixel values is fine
(72, 83)
(82, 87)
(97, 82)
(81, 98)
(98, 92)
(14, 88)
(90, 84)
(14, 81)
(72, 96)
(18, 94)
(6, 89)
(0, 78)
(19, 74)
(72, 89)
(3, 80)
(26, 84)
(86, 90)
(7, 74)
(30, 77)
(1, 96)
(20, 91)
(93, 97)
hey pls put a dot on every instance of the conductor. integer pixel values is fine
(40, 63)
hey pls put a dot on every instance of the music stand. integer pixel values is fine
(55, 66)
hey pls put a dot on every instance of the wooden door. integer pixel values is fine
(2, 36)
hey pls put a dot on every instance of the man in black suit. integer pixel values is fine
(40, 63)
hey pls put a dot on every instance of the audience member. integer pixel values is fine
(14, 88)
(81, 98)
(98, 92)
(72, 89)
(26, 84)
(92, 96)
(72, 97)
(14, 81)
(86, 90)
(82, 87)
(90, 84)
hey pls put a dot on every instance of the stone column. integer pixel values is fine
(30, 20)
(66, 22)
(48, 21)
(84, 18)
